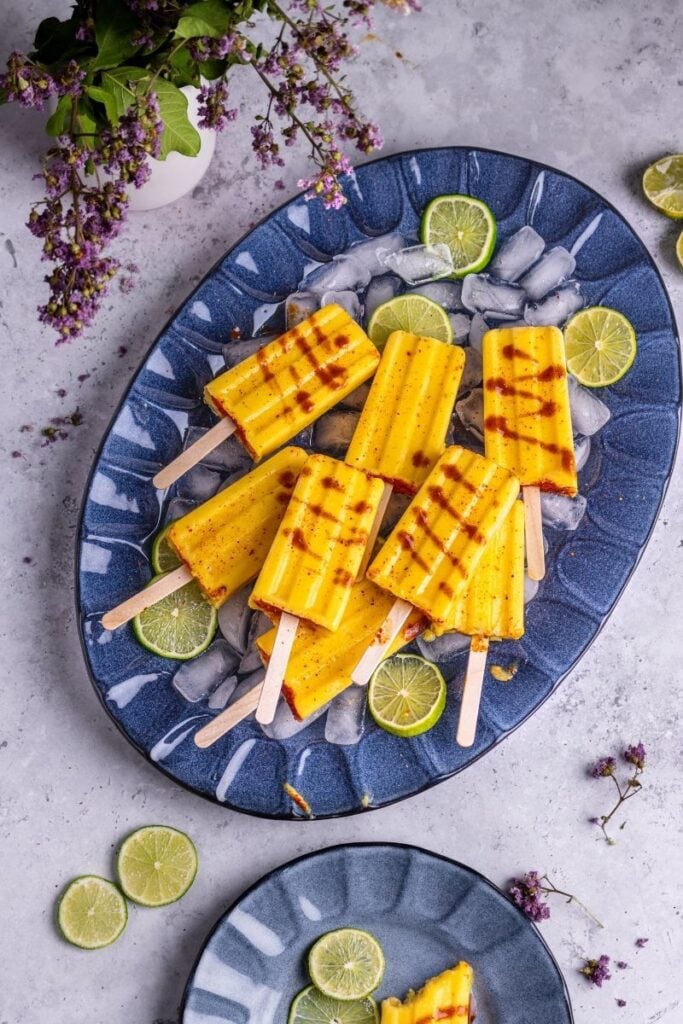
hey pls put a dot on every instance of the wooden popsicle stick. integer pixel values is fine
(221, 431)
(471, 694)
(229, 718)
(386, 634)
(374, 530)
(533, 533)
(127, 610)
(277, 666)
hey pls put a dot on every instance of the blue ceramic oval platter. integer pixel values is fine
(426, 911)
(575, 250)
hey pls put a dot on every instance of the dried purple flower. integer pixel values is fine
(527, 894)
(635, 755)
(213, 106)
(604, 767)
(622, 965)
(597, 971)
(621, 1002)
(26, 83)
(641, 943)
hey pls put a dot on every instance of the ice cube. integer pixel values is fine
(357, 399)
(589, 414)
(299, 306)
(447, 293)
(233, 618)
(227, 457)
(380, 290)
(198, 484)
(251, 659)
(530, 589)
(480, 293)
(285, 724)
(196, 679)
(235, 352)
(448, 645)
(472, 373)
(582, 449)
(176, 508)
(419, 264)
(342, 273)
(555, 308)
(550, 271)
(460, 324)
(246, 685)
(517, 254)
(470, 412)
(334, 430)
(561, 512)
(371, 254)
(222, 694)
(346, 717)
(347, 300)
(478, 329)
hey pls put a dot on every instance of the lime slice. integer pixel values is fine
(179, 626)
(601, 346)
(663, 185)
(468, 228)
(407, 695)
(91, 912)
(156, 865)
(312, 1007)
(346, 964)
(163, 556)
(414, 313)
(679, 250)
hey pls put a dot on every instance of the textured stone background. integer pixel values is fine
(594, 88)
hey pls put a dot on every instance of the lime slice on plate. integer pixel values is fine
(407, 695)
(346, 964)
(468, 228)
(600, 344)
(156, 865)
(679, 250)
(663, 185)
(163, 556)
(312, 1007)
(179, 626)
(91, 913)
(414, 313)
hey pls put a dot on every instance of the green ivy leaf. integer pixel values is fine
(116, 85)
(114, 26)
(207, 18)
(59, 122)
(55, 41)
(179, 135)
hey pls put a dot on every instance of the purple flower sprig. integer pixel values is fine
(597, 971)
(606, 767)
(528, 894)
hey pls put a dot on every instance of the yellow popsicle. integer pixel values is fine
(318, 549)
(321, 662)
(225, 540)
(402, 429)
(433, 551)
(444, 998)
(527, 422)
(293, 380)
(493, 604)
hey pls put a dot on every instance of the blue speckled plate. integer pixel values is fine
(624, 480)
(428, 912)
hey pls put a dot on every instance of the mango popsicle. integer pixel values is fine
(224, 541)
(315, 557)
(285, 386)
(445, 997)
(527, 422)
(402, 429)
(430, 556)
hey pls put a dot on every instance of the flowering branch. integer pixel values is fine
(528, 891)
(634, 755)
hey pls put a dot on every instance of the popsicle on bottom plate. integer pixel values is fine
(527, 422)
(314, 559)
(287, 384)
(223, 542)
(492, 608)
(447, 997)
(431, 555)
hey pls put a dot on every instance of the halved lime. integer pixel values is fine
(156, 865)
(679, 250)
(346, 964)
(91, 912)
(179, 626)
(414, 313)
(407, 695)
(663, 185)
(163, 557)
(600, 344)
(468, 228)
(310, 1006)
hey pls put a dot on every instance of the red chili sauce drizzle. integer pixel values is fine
(499, 425)
(420, 459)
